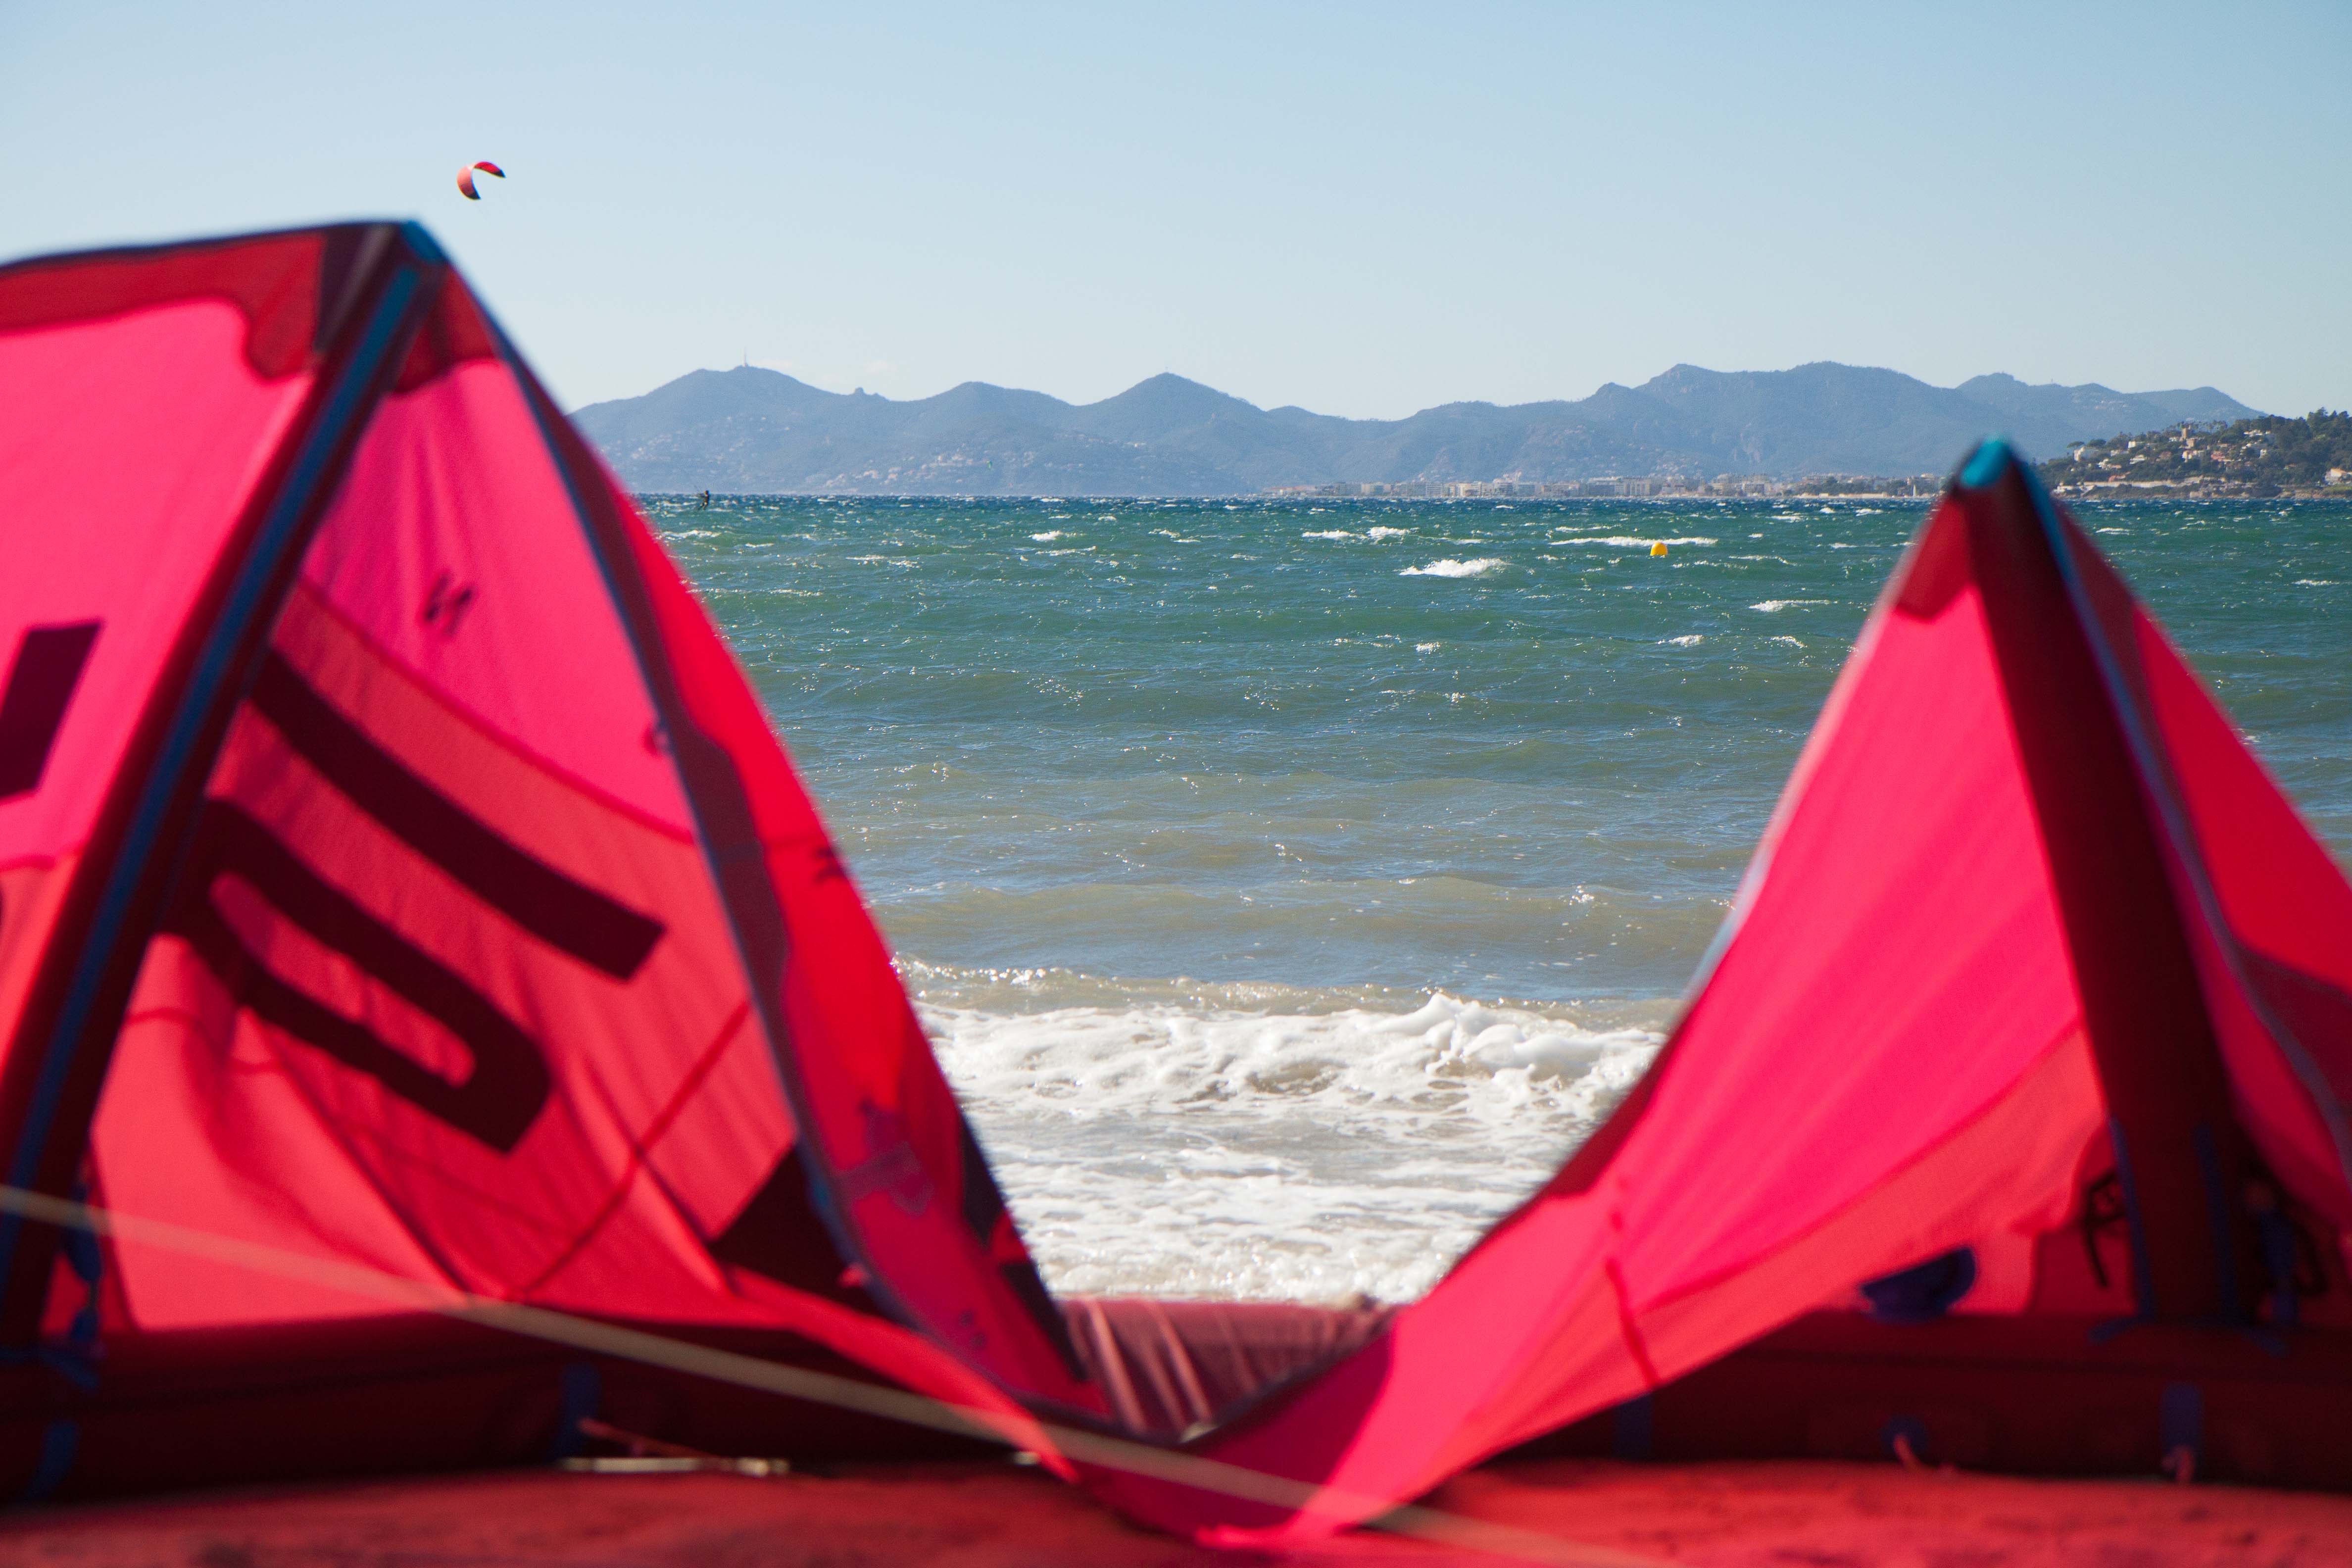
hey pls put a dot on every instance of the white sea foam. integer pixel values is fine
(1186, 1149)
(1386, 532)
(1329, 533)
(1450, 567)
(1691, 641)
(1050, 535)
(1774, 606)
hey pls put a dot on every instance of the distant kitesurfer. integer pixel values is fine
(703, 502)
(465, 179)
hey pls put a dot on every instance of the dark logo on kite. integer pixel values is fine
(446, 604)
(893, 1167)
(41, 681)
(508, 1083)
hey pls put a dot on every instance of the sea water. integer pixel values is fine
(1289, 886)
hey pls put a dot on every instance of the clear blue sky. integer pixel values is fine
(1362, 209)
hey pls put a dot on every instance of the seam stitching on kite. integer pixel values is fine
(641, 1145)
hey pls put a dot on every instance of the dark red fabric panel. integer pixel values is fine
(289, 289)
(2103, 830)
(2279, 973)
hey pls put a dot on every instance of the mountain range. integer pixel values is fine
(748, 430)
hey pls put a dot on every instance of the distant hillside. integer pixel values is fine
(2265, 456)
(759, 431)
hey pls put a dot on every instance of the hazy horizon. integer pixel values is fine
(1362, 211)
(1548, 398)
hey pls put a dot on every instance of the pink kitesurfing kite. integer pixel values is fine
(398, 877)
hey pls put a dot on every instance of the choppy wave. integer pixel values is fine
(1179, 1147)
(1452, 568)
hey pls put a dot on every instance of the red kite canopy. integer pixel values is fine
(397, 874)
(465, 178)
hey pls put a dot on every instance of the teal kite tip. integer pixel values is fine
(1986, 463)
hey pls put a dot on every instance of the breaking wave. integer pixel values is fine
(1181, 1149)
(1452, 568)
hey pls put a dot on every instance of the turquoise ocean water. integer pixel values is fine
(1288, 885)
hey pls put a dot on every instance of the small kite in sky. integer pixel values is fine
(465, 178)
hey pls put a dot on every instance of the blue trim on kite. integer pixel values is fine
(422, 245)
(60, 1441)
(1924, 1292)
(2142, 1272)
(2218, 1216)
(2180, 1420)
(581, 1395)
(1633, 1429)
(314, 472)
(824, 1198)
(1984, 465)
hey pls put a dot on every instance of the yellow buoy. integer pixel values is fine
(1659, 548)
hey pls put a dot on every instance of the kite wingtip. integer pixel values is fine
(1985, 465)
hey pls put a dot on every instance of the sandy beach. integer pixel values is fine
(992, 1516)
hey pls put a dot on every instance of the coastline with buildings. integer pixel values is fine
(1642, 486)
(2307, 459)
(2260, 459)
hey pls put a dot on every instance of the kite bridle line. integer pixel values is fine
(1237, 1481)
